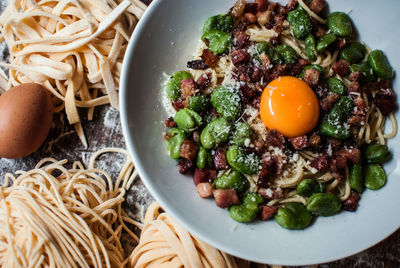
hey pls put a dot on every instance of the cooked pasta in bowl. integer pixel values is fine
(282, 114)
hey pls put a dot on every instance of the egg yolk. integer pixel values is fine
(290, 106)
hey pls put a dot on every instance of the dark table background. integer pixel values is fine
(105, 131)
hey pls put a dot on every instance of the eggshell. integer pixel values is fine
(26, 112)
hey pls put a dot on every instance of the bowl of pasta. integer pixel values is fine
(268, 129)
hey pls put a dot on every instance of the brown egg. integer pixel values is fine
(26, 112)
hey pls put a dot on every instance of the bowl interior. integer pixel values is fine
(163, 42)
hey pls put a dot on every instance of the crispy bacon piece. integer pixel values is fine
(341, 67)
(256, 102)
(209, 57)
(278, 23)
(274, 138)
(244, 73)
(311, 77)
(327, 102)
(351, 203)
(247, 94)
(262, 5)
(250, 17)
(238, 9)
(185, 166)
(170, 122)
(385, 101)
(357, 120)
(360, 103)
(188, 150)
(179, 104)
(344, 155)
(239, 56)
(204, 175)
(188, 87)
(219, 159)
(355, 86)
(317, 5)
(271, 193)
(320, 163)
(271, 165)
(315, 140)
(242, 39)
(197, 65)
(251, 8)
(299, 142)
(225, 198)
(352, 154)
(267, 212)
(335, 144)
(204, 80)
(205, 189)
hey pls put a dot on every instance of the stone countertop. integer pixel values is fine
(105, 131)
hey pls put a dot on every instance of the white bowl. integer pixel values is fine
(164, 41)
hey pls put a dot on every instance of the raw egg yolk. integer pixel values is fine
(290, 106)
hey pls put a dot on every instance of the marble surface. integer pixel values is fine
(105, 131)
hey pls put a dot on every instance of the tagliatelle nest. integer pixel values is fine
(73, 48)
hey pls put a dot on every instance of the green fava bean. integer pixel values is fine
(334, 131)
(366, 70)
(313, 66)
(340, 24)
(235, 180)
(187, 119)
(376, 153)
(341, 110)
(379, 62)
(310, 49)
(215, 133)
(293, 216)
(204, 158)
(243, 214)
(375, 177)
(335, 85)
(324, 42)
(199, 103)
(218, 41)
(309, 187)
(173, 86)
(324, 204)
(175, 138)
(241, 161)
(252, 199)
(335, 125)
(220, 22)
(288, 54)
(227, 102)
(242, 133)
(273, 54)
(356, 178)
(300, 23)
(353, 53)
